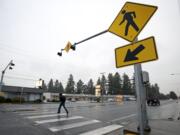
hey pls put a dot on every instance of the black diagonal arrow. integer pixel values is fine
(130, 56)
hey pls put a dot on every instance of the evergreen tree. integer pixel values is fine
(110, 81)
(173, 95)
(50, 85)
(60, 88)
(156, 87)
(56, 85)
(44, 86)
(98, 81)
(152, 91)
(85, 89)
(80, 87)
(103, 83)
(117, 89)
(70, 85)
(90, 87)
(126, 86)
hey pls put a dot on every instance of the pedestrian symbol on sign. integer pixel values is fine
(129, 17)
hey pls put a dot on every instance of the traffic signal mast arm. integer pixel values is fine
(73, 47)
(90, 37)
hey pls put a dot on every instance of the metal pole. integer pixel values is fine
(100, 33)
(139, 88)
(141, 99)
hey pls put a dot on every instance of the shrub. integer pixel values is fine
(2, 99)
(18, 100)
(37, 101)
(8, 100)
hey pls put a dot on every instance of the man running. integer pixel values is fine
(62, 103)
(129, 17)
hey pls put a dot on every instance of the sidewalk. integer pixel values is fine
(159, 127)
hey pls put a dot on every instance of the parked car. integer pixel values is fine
(153, 102)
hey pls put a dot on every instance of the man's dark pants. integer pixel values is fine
(62, 104)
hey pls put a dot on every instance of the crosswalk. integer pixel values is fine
(77, 125)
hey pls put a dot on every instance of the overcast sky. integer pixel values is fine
(33, 31)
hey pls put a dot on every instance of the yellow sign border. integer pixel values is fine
(156, 7)
(154, 44)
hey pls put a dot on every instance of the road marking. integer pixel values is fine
(60, 119)
(103, 130)
(74, 125)
(37, 113)
(125, 117)
(44, 116)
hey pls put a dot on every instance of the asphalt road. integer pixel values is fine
(37, 119)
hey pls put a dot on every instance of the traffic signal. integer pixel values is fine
(73, 47)
(11, 65)
(59, 53)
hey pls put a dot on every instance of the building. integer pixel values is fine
(25, 93)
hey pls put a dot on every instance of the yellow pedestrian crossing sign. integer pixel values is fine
(68, 47)
(131, 20)
(139, 52)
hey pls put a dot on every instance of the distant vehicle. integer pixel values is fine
(132, 99)
(111, 100)
(153, 102)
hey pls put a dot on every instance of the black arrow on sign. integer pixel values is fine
(132, 55)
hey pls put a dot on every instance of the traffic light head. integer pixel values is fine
(73, 47)
(59, 53)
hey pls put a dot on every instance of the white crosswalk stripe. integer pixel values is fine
(56, 120)
(74, 125)
(103, 130)
(36, 113)
(44, 116)
(72, 122)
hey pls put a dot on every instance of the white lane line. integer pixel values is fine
(33, 113)
(125, 117)
(44, 116)
(104, 130)
(74, 125)
(60, 119)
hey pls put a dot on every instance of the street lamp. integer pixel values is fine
(10, 65)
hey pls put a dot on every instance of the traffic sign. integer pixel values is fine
(68, 47)
(131, 20)
(139, 52)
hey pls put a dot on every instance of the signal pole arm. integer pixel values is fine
(73, 47)
(100, 33)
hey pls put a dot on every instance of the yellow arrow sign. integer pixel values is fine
(131, 20)
(68, 47)
(139, 52)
